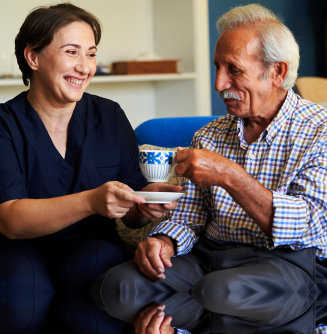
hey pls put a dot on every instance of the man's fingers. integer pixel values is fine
(166, 259)
(147, 257)
(147, 269)
(166, 324)
(155, 323)
(147, 314)
(150, 320)
(181, 155)
(181, 169)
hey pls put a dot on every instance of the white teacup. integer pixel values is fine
(156, 165)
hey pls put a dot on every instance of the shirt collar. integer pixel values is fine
(284, 113)
(240, 133)
(273, 128)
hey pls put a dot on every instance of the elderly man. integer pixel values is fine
(255, 177)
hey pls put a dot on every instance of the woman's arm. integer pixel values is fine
(32, 218)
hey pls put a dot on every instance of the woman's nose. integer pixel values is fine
(82, 65)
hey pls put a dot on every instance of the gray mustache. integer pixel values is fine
(226, 94)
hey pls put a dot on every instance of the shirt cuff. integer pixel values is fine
(184, 237)
(181, 331)
(290, 219)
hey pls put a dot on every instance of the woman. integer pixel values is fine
(69, 165)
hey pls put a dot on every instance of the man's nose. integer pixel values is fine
(222, 80)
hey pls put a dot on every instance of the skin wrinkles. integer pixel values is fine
(239, 69)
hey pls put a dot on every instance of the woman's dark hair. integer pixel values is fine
(40, 26)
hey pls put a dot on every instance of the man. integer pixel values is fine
(257, 176)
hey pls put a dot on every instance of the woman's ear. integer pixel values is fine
(280, 72)
(31, 57)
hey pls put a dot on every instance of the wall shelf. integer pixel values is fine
(145, 77)
(7, 82)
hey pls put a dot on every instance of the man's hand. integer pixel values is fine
(153, 255)
(157, 211)
(203, 167)
(152, 320)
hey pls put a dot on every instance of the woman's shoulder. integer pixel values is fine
(13, 110)
(98, 101)
(15, 104)
(98, 107)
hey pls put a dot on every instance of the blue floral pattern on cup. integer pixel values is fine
(156, 158)
(156, 165)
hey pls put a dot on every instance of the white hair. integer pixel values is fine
(277, 41)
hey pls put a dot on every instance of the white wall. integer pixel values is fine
(133, 17)
(131, 27)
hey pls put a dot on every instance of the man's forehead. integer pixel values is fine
(240, 41)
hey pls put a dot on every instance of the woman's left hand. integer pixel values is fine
(157, 211)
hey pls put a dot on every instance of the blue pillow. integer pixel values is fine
(170, 131)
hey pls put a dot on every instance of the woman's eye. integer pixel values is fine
(71, 52)
(92, 55)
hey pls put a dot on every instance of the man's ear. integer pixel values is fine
(280, 72)
(31, 57)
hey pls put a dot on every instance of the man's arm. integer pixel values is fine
(207, 168)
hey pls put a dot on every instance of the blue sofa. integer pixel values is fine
(170, 131)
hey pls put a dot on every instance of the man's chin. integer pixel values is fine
(232, 106)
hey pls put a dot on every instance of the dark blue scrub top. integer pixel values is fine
(101, 147)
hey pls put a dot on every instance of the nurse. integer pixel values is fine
(68, 168)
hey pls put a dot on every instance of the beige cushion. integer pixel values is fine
(132, 237)
(312, 88)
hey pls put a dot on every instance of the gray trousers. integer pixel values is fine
(224, 289)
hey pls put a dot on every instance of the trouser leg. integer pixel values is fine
(123, 291)
(273, 290)
(77, 311)
(251, 289)
(321, 305)
(268, 291)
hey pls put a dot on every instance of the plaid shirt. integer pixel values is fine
(289, 158)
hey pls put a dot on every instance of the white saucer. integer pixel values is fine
(159, 197)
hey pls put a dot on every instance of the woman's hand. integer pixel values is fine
(152, 320)
(158, 211)
(113, 199)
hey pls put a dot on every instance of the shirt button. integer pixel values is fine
(251, 156)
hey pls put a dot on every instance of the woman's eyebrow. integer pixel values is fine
(78, 46)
